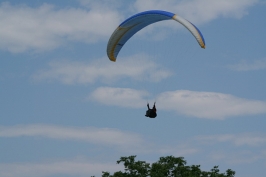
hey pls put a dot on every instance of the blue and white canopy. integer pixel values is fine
(135, 23)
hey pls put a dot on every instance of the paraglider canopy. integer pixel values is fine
(136, 22)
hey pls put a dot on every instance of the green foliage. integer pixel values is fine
(168, 166)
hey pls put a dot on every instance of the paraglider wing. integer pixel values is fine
(135, 23)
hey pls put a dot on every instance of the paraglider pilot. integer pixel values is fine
(151, 113)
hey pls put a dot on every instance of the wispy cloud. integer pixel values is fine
(244, 139)
(200, 11)
(249, 66)
(245, 148)
(111, 138)
(104, 136)
(137, 67)
(210, 105)
(239, 157)
(75, 167)
(124, 97)
(179, 151)
(25, 28)
(198, 145)
(102, 4)
(45, 169)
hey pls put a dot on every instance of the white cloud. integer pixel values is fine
(24, 28)
(103, 136)
(75, 167)
(199, 11)
(124, 97)
(102, 4)
(247, 147)
(120, 140)
(45, 169)
(209, 105)
(130, 142)
(137, 67)
(249, 66)
(239, 157)
(248, 139)
(179, 151)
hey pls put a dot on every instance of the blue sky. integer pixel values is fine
(66, 110)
